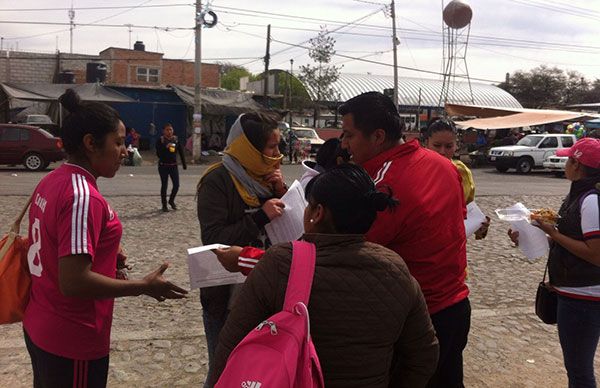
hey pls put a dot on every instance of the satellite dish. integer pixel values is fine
(457, 14)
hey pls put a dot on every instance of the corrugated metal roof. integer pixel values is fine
(350, 85)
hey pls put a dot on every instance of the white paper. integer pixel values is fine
(290, 225)
(474, 219)
(205, 269)
(533, 242)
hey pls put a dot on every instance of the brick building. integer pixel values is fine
(124, 67)
(145, 68)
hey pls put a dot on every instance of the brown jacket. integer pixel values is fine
(369, 320)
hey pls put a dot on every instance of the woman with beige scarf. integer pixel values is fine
(237, 197)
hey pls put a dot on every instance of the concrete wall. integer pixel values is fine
(28, 67)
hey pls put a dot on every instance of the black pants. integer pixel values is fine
(166, 172)
(52, 371)
(452, 326)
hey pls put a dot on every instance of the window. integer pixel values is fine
(10, 134)
(549, 142)
(567, 141)
(147, 74)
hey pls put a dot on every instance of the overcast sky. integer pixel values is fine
(506, 35)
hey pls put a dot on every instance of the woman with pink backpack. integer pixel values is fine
(368, 318)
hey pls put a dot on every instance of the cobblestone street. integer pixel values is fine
(163, 344)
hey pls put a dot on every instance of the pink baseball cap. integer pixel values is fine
(586, 151)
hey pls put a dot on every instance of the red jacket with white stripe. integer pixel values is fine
(427, 227)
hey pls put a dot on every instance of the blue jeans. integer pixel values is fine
(215, 301)
(579, 330)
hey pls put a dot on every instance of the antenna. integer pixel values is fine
(71, 26)
(457, 17)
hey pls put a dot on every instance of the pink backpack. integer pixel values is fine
(279, 352)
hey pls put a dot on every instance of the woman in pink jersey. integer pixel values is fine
(74, 241)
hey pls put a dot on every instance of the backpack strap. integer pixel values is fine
(302, 270)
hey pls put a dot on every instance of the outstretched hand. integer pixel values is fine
(159, 288)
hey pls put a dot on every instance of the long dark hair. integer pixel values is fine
(85, 117)
(350, 195)
(439, 125)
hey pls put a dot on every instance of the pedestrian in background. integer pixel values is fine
(167, 148)
(574, 262)
(236, 199)
(74, 240)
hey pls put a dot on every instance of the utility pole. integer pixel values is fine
(395, 44)
(71, 26)
(267, 58)
(291, 75)
(197, 117)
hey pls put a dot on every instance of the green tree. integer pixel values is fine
(231, 74)
(538, 88)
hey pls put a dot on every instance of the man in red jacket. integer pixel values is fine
(426, 229)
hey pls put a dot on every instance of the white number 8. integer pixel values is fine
(33, 254)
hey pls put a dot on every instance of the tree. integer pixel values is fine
(544, 87)
(231, 74)
(321, 76)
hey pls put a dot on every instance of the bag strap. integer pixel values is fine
(302, 270)
(16, 226)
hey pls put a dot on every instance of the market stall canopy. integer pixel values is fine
(219, 102)
(529, 117)
(51, 92)
(481, 111)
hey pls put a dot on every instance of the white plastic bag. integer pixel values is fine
(137, 158)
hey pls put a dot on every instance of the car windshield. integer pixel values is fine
(530, 141)
(306, 133)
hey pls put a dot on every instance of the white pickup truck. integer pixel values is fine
(530, 152)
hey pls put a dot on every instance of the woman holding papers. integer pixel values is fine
(236, 199)
(74, 240)
(574, 262)
(440, 137)
(369, 321)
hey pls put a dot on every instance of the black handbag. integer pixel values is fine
(546, 301)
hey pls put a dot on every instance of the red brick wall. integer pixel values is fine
(178, 72)
(123, 64)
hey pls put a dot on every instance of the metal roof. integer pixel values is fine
(350, 85)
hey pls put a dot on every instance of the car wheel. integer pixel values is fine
(34, 162)
(524, 165)
(559, 174)
(501, 169)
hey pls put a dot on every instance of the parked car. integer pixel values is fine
(33, 147)
(529, 152)
(311, 135)
(41, 121)
(556, 164)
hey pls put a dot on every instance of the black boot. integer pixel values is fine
(172, 203)
(164, 206)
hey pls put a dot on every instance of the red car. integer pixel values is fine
(33, 147)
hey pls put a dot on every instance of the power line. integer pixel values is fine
(92, 8)
(95, 25)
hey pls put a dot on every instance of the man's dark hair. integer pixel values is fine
(373, 110)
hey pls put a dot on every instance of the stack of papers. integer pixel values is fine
(205, 270)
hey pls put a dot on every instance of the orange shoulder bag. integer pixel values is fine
(15, 279)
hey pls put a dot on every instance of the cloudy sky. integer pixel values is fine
(506, 35)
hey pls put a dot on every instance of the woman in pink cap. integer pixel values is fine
(574, 262)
